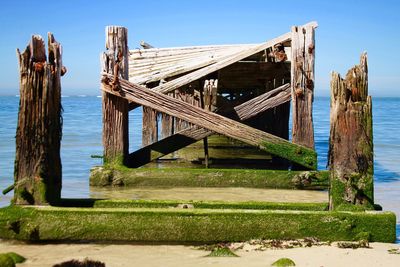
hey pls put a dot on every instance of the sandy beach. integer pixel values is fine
(112, 255)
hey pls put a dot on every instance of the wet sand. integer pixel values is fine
(211, 194)
(178, 255)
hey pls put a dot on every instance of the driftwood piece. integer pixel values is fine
(37, 172)
(350, 142)
(214, 122)
(303, 53)
(264, 102)
(115, 109)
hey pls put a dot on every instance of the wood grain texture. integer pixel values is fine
(115, 109)
(351, 140)
(263, 102)
(213, 122)
(37, 171)
(303, 53)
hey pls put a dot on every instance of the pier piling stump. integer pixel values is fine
(350, 143)
(37, 172)
(115, 108)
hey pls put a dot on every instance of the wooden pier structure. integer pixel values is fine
(189, 94)
(213, 116)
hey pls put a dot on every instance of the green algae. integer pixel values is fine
(190, 177)
(189, 225)
(283, 262)
(303, 156)
(6, 260)
(16, 257)
(222, 252)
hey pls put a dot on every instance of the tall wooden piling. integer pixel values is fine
(302, 66)
(350, 142)
(115, 109)
(37, 172)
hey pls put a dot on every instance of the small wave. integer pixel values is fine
(99, 96)
(16, 95)
(82, 95)
(64, 95)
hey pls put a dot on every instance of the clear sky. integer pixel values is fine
(346, 28)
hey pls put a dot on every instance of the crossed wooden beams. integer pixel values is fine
(210, 121)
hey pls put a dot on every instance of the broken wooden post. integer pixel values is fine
(350, 142)
(115, 109)
(302, 71)
(37, 172)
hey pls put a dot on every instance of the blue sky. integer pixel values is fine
(346, 28)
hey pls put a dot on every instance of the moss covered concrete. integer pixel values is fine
(253, 205)
(189, 225)
(182, 177)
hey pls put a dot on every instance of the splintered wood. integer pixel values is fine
(303, 53)
(212, 121)
(264, 102)
(37, 171)
(115, 109)
(350, 142)
(193, 63)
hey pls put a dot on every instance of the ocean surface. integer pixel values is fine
(82, 138)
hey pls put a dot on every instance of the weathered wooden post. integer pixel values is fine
(350, 142)
(37, 172)
(302, 71)
(149, 126)
(208, 101)
(115, 108)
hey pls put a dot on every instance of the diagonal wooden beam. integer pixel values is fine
(264, 102)
(191, 135)
(163, 103)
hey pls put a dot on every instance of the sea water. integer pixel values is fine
(82, 129)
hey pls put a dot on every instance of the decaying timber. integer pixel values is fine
(351, 146)
(149, 126)
(37, 171)
(173, 142)
(115, 109)
(214, 122)
(303, 53)
(264, 102)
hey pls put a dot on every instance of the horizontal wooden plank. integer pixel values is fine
(211, 121)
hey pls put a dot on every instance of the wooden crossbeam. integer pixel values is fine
(211, 121)
(264, 102)
(191, 135)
